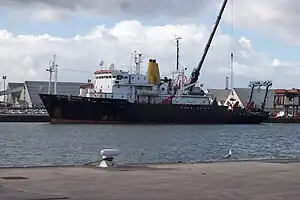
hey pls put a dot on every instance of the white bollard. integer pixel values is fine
(108, 157)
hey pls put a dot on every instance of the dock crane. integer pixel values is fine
(196, 71)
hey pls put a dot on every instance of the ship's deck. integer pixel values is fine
(234, 180)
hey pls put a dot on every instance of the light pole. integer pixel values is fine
(4, 78)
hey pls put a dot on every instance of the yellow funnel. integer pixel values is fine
(153, 72)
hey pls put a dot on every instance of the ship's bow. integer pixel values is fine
(49, 101)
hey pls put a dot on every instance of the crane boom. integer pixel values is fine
(196, 71)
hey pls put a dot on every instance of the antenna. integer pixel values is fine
(101, 64)
(177, 38)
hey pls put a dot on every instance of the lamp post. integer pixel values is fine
(4, 78)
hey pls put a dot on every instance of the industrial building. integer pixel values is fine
(26, 94)
(287, 101)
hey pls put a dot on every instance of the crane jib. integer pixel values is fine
(196, 72)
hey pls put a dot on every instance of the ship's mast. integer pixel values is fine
(177, 68)
(50, 70)
(177, 52)
(53, 67)
(138, 60)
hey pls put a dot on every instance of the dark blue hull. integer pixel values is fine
(74, 109)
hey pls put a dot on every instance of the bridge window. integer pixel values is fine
(125, 77)
(119, 77)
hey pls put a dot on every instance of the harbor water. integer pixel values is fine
(40, 144)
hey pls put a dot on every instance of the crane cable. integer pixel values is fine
(232, 46)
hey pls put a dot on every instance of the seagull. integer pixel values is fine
(228, 155)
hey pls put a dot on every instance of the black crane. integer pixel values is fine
(196, 71)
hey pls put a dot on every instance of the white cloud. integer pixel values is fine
(277, 17)
(26, 57)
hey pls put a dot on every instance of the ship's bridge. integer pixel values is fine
(105, 80)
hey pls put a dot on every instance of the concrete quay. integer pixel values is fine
(209, 181)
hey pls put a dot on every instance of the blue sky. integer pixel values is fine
(262, 42)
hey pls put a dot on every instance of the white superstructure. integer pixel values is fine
(141, 88)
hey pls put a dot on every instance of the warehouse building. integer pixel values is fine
(26, 94)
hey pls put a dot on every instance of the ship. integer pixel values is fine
(115, 96)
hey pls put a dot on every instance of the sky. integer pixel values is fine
(263, 35)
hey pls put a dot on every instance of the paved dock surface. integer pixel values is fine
(226, 181)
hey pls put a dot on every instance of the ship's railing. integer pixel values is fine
(147, 92)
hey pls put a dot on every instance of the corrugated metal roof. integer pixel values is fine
(243, 94)
(36, 87)
(12, 85)
(220, 94)
(12, 88)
